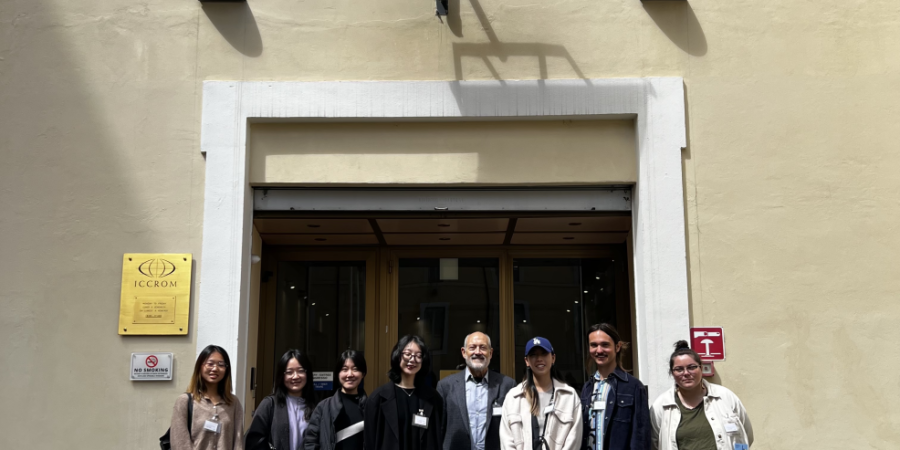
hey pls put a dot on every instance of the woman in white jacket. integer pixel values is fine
(541, 412)
(696, 414)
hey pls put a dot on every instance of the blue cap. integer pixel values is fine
(538, 341)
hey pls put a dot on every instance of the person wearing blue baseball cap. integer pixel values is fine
(542, 412)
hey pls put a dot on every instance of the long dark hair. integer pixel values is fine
(530, 389)
(280, 390)
(198, 386)
(612, 333)
(358, 360)
(395, 374)
(682, 348)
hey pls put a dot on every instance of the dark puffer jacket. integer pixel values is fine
(320, 433)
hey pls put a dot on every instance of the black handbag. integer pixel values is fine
(164, 442)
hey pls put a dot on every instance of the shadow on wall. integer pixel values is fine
(98, 151)
(235, 22)
(499, 49)
(683, 29)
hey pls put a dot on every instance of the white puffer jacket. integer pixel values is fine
(724, 411)
(563, 428)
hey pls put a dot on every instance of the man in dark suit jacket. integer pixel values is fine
(473, 398)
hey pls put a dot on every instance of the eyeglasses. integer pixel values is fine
(214, 364)
(412, 356)
(291, 373)
(680, 370)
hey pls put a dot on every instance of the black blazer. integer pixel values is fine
(270, 425)
(382, 431)
(320, 432)
(457, 434)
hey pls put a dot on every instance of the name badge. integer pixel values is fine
(731, 427)
(498, 411)
(214, 427)
(419, 420)
(741, 447)
(548, 409)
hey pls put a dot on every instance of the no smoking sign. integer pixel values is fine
(155, 366)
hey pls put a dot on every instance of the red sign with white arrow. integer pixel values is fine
(709, 343)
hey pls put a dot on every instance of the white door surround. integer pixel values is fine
(660, 265)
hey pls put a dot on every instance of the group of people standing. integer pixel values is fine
(476, 408)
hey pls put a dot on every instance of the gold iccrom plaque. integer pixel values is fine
(156, 293)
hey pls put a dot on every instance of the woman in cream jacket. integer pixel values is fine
(541, 412)
(696, 414)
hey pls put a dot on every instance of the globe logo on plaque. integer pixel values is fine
(156, 268)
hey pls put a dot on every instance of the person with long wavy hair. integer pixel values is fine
(542, 411)
(283, 417)
(217, 420)
(406, 413)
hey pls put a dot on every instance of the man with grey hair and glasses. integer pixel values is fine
(473, 398)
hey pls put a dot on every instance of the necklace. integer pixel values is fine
(405, 389)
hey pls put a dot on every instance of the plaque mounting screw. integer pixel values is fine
(181, 329)
(124, 329)
(129, 259)
(184, 259)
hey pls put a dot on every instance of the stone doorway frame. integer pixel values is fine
(658, 237)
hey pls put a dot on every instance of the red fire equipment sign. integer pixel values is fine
(709, 343)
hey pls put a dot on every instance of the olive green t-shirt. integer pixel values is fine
(694, 431)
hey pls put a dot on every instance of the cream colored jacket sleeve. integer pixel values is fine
(655, 417)
(745, 419)
(511, 439)
(573, 440)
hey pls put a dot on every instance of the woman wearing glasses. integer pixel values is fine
(282, 418)
(542, 412)
(217, 419)
(406, 413)
(696, 414)
(337, 423)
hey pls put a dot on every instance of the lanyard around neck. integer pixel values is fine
(547, 415)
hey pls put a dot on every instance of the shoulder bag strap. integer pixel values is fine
(190, 418)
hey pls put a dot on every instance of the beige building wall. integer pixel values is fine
(791, 191)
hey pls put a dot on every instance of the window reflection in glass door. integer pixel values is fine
(558, 299)
(320, 309)
(443, 306)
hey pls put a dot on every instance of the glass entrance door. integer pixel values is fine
(443, 300)
(559, 299)
(324, 301)
(319, 305)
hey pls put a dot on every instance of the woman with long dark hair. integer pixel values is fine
(338, 421)
(696, 414)
(283, 417)
(217, 420)
(406, 413)
(542, 411)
